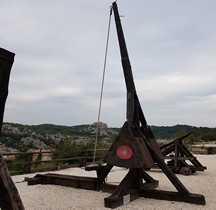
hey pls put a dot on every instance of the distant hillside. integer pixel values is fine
(24, 137)
(18, 137)
(169, 132)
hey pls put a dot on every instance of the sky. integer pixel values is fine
(60, 51)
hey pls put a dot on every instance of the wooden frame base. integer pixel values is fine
(177, 162)
(129, 189)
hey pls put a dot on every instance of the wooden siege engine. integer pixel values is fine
(135, 148)
(9, 196)
(181, 160)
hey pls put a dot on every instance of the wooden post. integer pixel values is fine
(28, 163)
(9, 196)
(39, 158)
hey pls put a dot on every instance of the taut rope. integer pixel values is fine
(102, 86)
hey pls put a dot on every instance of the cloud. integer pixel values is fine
(60, 47)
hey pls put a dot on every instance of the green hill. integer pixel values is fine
(25, 137)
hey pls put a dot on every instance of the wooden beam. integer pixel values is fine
(9, 196)
(174, 196)
(114, 202)
(88, 183)
(179, 158)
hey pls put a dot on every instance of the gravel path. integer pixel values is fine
(53, 197)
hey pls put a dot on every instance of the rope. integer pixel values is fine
(102, 86)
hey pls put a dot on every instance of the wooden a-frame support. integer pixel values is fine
(177, 154)
(134, 148)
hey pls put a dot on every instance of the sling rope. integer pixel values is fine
(102, 86)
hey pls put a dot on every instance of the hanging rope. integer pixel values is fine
(102, 86)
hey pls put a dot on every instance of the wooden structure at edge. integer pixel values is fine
(134, 148)
(181, 160)
(9, 196)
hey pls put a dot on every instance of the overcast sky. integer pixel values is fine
(60, 47)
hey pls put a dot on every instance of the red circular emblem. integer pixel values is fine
(124, 152)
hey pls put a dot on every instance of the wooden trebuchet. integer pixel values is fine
(181, 160)
(9, 196)
(135, 148)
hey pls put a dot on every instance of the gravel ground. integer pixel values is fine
(53, 197)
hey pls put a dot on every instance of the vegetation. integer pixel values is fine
(82, 137)
(172, 132)
(70, 142)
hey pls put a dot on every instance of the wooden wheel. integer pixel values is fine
(185, 171)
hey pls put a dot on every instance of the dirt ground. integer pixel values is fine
(53, 197)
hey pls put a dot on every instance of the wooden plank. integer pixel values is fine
(34, 181)
(114, 202)
(89, 183)
(179, 158)
(174, 196)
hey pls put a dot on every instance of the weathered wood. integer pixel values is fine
(129, 188)
(114, 202)
(148, 179)
(181, 154)
(28, 163)
(131, 180)
(134, 111)
(170, 175)
(195, 162)
(173, 196)
(179, 158)
(34, 180)
(9, 196)
(135, 117)
(130, 137)
(89, 183)
(6, 62)
(102, 172)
